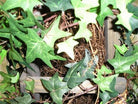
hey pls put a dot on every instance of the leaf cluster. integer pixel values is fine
(24, 38)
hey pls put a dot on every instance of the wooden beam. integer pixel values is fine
(38, 88)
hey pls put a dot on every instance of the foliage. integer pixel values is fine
(56, 87)
(25, 99)
(78, 73)
(56, 5)
(22, 44)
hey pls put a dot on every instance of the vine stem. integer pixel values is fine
(96, 102)
(70, 25)
(84, 92)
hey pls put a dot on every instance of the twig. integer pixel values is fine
(70, 25)
(96, 102)
(3, 42)
(84, 92)
(48, 19)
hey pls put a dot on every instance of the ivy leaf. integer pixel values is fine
(30, 21)
(24, 4)
(106, 83)
(15, 26)
(133, 23)
(132, 9)
(6, 77)
(122, 63)
(83, 31)
(3, 54)
(104, 70)
(106, 96)
(56, 5)
(86, 17)
(121, 49)
(30, 85)
(81, 71)
(14, 55)
(15, 78)
(8, 36)
(54, 33)
(56, 87)
(26, 99)
(67, 46)
(105, 10)
(81, 10)
(37, 48)
(122, 6)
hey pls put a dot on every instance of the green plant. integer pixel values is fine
(21, 43)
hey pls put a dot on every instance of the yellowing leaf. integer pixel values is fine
(81, 8)
(54, 33)
(83, 32)
(67, 46)
(15, 78)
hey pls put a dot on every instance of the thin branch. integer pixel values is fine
(70, 25)
(96, 102)
(3, 42)
(84, 92)
(50, 18)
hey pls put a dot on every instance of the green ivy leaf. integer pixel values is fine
(25, 4)
(121, 49)
(135, 49)
(14, 55)
(105, 10)
(67, 47)
(37, 48)
(10, 88)
(104, 70)
(132, 9)
(30, 21)
(30, 85)
(106, 83)
(15, 78)
(56, 87)
(56, 5)
(6, 77)
(26, 99)
(14, 26)
(106, 96)
(3, 54)
(80, 71)
(133, 23)
(54, 33)
(83, 32)
(8, 36)
(122, 63)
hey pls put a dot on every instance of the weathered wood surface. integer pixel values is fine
(120, 85)
(111, 37)
(40, 89)
(3, 67)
